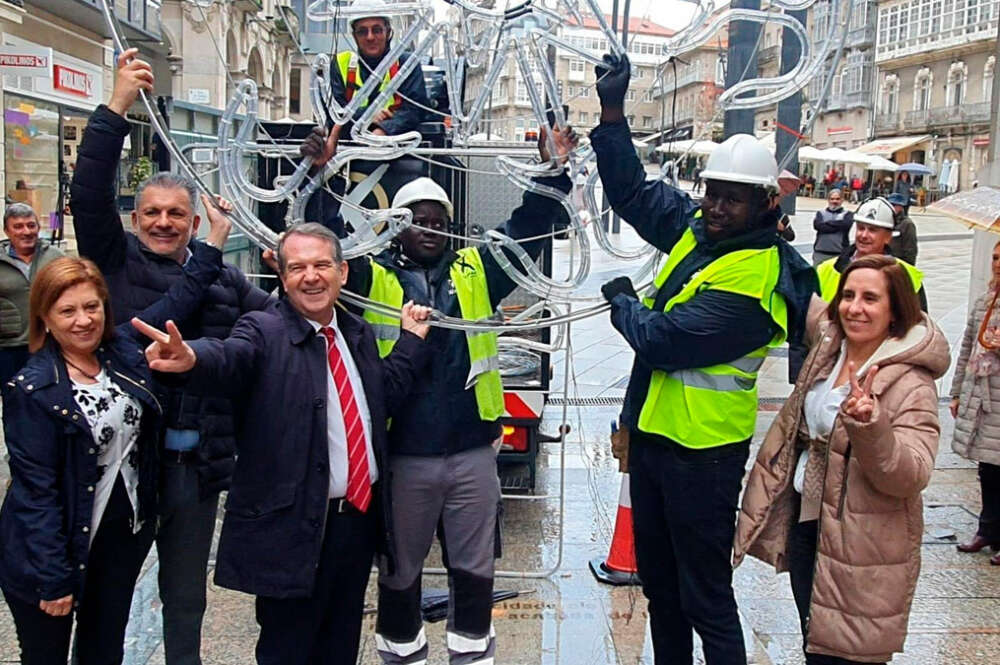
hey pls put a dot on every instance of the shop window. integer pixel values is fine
(32, 159)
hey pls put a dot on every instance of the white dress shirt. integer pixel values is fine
(336, 434)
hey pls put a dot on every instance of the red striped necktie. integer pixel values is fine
(359, 486)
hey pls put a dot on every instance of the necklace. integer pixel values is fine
(92, 377)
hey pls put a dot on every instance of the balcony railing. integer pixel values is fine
(886, 122)
(917, 119)
(961, 114)
(849, 100)
(861, 36)
(141, 15)
(768, 54)
(684, 77)
(936, 41)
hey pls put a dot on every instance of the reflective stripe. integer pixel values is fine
(386, 331)
(481, 366)
(693, 378)
(461, 644)
(748, 364)
(402, 648)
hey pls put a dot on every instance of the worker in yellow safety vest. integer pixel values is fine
(729, 291)
(404, 110)
(442, 461)
(874, 222)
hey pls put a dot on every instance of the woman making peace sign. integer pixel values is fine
(834, 496)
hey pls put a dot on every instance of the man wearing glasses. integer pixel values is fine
(373, 37)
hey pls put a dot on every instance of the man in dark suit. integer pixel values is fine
(309, 500)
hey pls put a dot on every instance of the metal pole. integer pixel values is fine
(789, 110)
(741, 58)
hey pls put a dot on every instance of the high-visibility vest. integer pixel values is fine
(829, 277)
(706, 407)
(348, 63)
(469, 277)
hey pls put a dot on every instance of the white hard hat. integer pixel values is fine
(422, 189)
(877, 212)
(742, 158)
(373, 9)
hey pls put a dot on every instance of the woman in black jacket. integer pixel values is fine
(81, 427)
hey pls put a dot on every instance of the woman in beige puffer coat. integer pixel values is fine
(856, 557)
(975, 405)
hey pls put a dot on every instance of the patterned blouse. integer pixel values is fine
(113, 416)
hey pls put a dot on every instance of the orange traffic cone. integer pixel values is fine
(620, 566)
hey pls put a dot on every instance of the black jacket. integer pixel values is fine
(832, 229)
(699, 332)
(137, 277)
(277, 505)
(441, 416)
(407, 117)
(46, 514)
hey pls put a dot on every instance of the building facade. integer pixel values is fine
(46, 107)
(696, 85)
(844, 120)
(935, 63)
(509, 114)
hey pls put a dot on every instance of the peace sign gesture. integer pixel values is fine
(168, 352)
(859, 403)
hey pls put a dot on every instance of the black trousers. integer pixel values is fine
(684, 506)
(989, 517)
(115, 559)
(325, 628)
(801, 563)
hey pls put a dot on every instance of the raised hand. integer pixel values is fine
(57, 608)
(168, 352)
(612, 81)
(133, 75)
(320, 146)
(565, 141)
(859, 403)
(413, 318)
(218, 220)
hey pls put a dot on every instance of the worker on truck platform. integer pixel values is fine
(373, 40)
(730, 290)
(441, 458)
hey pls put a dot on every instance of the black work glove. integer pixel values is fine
(612, 80)
(618, 285)
(314, 145)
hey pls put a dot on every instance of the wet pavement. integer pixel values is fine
(564, 617)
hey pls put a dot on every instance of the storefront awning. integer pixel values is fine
(885, 147)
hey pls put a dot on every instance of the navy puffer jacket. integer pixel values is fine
(137, 277)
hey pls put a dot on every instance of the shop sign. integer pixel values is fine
(199, 96)
(33, 61)
(72, 81)
(834, 131)
(981, 141)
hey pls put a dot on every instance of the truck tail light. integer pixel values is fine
(515, 439)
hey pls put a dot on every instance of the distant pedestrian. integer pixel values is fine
(832, 225)
(696, 188)
(904, 238)
(834, 495)
(976, 410)
(904, 187)
(22, 255)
